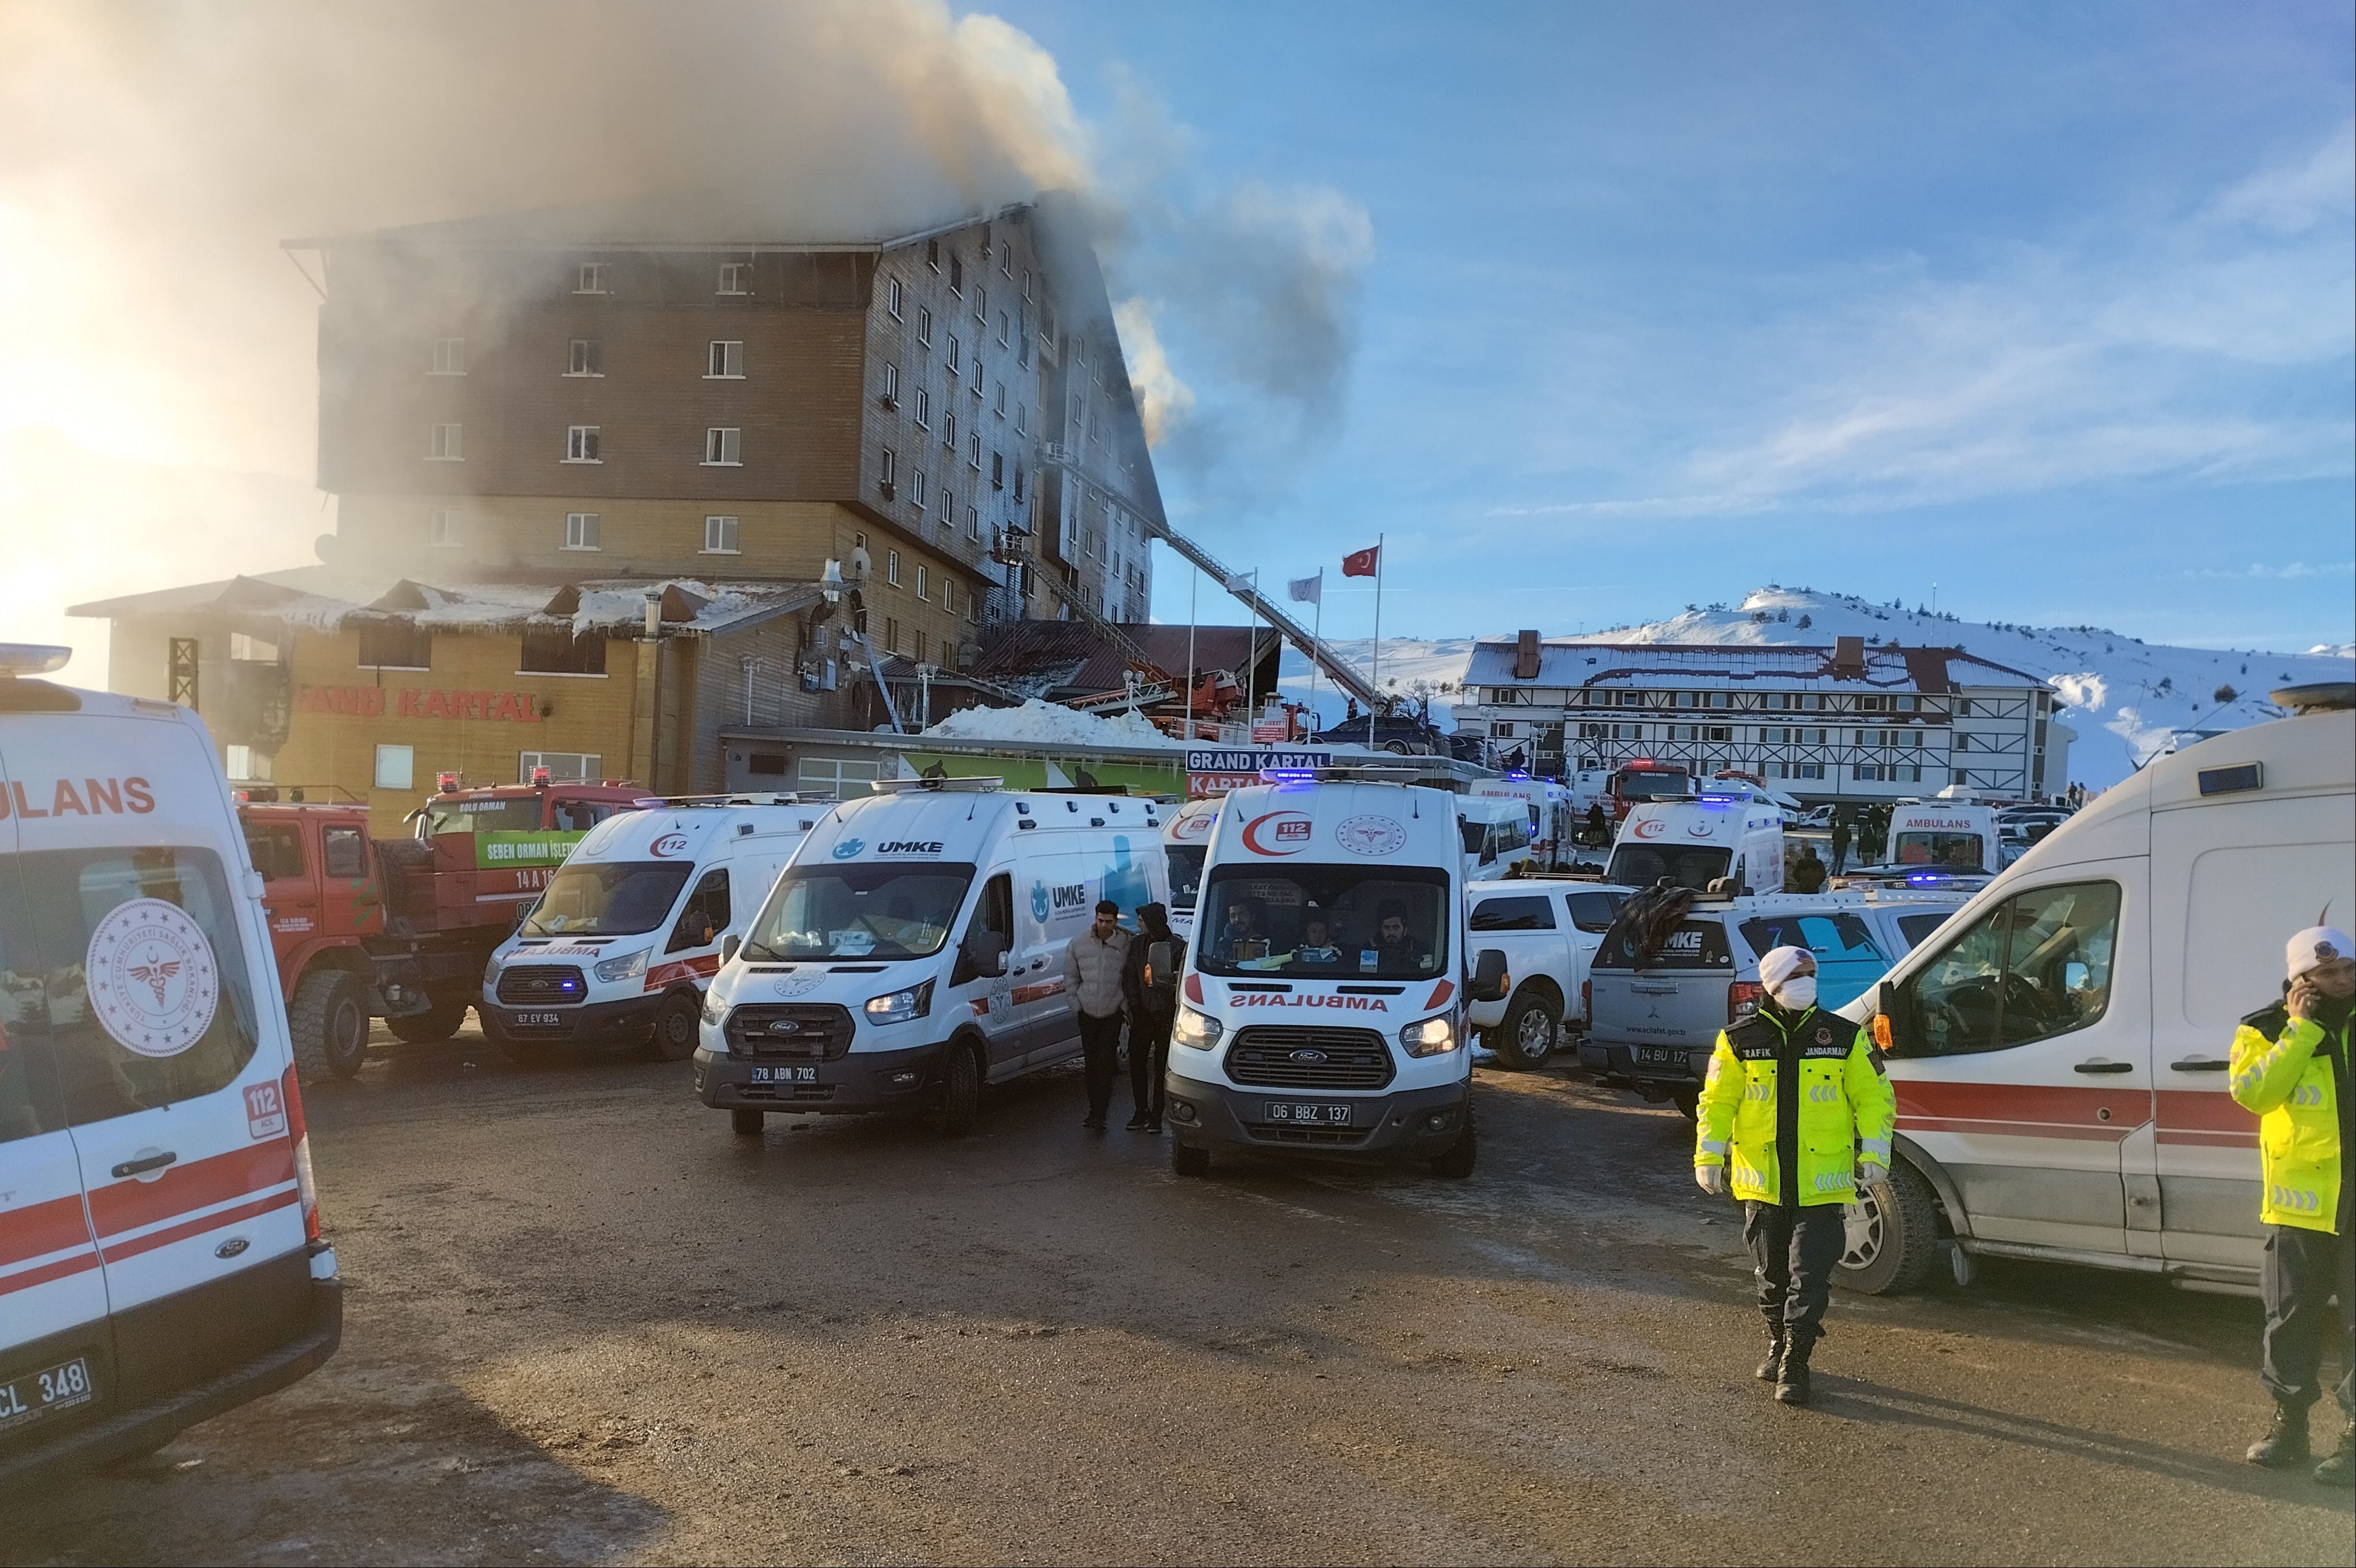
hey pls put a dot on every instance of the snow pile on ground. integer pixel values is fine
(2128, 700)
(1051, 721)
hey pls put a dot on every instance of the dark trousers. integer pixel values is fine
(2303, 1270)
(1795, 1248)
(1100, 1049)
(1149, 1054)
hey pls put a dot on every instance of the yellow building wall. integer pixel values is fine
(471, 713)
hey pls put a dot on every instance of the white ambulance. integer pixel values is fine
(1937, 839)
(1324, 1000)
(1553, 823)
(914, 950)
(1693, 843)
(2059, 1045)
(630, 929)
(1186, 840)
(160, 1258)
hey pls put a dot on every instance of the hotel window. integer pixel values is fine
(724, 447)
(441, 530)
(891, 634)
(891, 386)
(1022, 419)
(590, 279)
(396, 767)
(925, 325)
(563, 767)
(720, 536)
(395, 644)
(244, 762)
(726, 361)
(954, 361)
(924, 584)
(977, 375)
(998, 400)
(998, 471)
(581, 530)
(920, 648)
(916, 488)
(447, 445)
(554, 650)
(949, 428)
(949, 594)
(735, 277)
(588, 357)
(933, 254)
(973, 523)
(1026, 282)
(957, 276)
(1018, 481)
(973, 454)
(948, 507)
(982, 308)
(1005, 337)
(892, 568)
(449, 356)
(581, 444)
(923, 409)
(889, 475)
(892, 297)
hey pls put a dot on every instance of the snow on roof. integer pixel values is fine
(1050, 722)
(322, 598)
(1707, 666)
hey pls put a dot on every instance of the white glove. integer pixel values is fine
(1710, 1179)
(1868, 1174)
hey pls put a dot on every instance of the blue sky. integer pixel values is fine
(2049, 305)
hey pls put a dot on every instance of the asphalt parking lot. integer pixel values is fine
(587, 1324)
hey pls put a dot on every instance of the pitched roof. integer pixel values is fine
(685, 220)
(1071, 656)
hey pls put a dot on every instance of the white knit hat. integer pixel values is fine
(2312, 949)
(1778, 964)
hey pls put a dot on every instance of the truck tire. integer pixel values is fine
(746, 1123)
(329, 1022)
(445, 1019)
(676, 1022)
(1893, 1236)
(1456, 1162)
(1188, 1160)
(1525, 1038)
(953, 1112)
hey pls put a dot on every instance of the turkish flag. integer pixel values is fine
(1361, 563)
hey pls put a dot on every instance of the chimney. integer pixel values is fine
(1849, 657)
(1525, 657)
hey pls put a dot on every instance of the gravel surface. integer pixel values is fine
(587, 1324)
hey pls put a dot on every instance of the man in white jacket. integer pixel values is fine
(1093, 966)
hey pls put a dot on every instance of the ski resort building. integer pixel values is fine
(1848, 722)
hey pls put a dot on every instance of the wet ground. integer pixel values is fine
(587, 1324)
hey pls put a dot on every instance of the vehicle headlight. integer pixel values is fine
(1432, 1037)
(491, 970)
(899, 1006)
(1195, 1029)
(715, 1007)
(628, 966)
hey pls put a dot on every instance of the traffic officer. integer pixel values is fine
(2290, 1066)
(1794, 1096)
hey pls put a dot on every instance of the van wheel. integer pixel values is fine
(329, 1022)
(1687, 1101)
(960, 1101)
(1893, 1236)
(1456, 1163)
(1188, 1160)
(440, 1023)
(1524, 1039)
(746, 1123)
(675, 1028)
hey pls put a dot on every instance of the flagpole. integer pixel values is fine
(1194, 596)
(1316, 636)
(1376, 682)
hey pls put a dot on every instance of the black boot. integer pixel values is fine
(1792, 1377)
(2284, 1442)
(1771, 1369)
(2339, 1470)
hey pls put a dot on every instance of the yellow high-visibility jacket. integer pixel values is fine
(1846, 1106)
(2281, 1071)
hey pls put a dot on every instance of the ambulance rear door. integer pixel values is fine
(169, 1037)
(56, 1348)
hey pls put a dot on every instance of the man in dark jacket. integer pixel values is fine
(1153, 992)
(1840, 845)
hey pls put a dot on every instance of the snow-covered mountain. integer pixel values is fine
(2126, 699)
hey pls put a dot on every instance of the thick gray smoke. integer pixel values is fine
(157, 372)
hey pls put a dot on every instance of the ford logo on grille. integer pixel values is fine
(786, 1026)
(1308, 1056)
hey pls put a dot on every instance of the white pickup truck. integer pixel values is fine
(1548, 930)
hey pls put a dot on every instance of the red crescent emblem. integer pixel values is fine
(1284, 828)
(1651, 827)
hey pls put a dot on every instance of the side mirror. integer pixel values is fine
(728, 945)
(1887, 1000)
(1490, 980)
(2075, 977)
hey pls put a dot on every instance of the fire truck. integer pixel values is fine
(399, 928)
(1645, 780)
